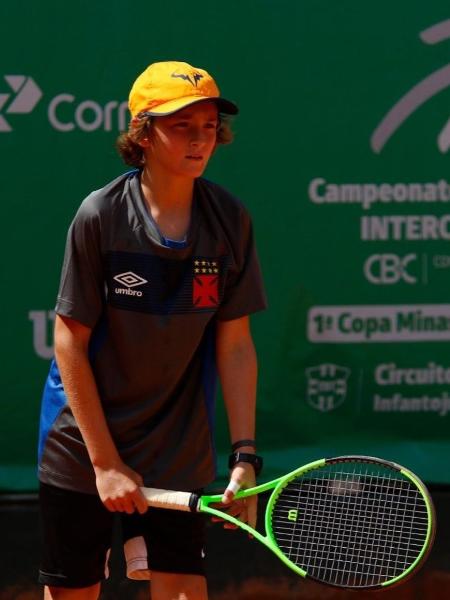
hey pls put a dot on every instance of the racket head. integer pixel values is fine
(352, 522)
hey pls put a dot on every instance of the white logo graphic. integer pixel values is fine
(65, 112)
(387, 269)
(326, 386)
(130, 280)
(27, 96)
(418, 95)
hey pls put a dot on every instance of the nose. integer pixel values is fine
(198, 137)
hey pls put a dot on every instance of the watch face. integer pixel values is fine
(253, 459)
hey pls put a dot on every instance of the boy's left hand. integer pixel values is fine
(245, 509)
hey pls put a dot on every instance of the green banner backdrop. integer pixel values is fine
(341, 154)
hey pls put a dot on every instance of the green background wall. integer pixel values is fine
(354, 353)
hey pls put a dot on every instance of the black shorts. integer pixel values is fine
(76, 533)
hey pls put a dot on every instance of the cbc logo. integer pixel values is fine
(387, 269)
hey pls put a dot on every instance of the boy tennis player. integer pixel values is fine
(160, 274)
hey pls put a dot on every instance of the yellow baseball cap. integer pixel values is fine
(165, 87)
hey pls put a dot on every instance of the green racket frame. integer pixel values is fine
(277, 485)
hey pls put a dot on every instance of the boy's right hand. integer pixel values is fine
(118, 488)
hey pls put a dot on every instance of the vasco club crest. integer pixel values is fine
(205, 288)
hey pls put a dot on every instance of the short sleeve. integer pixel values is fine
(81, 290)
(244, 290)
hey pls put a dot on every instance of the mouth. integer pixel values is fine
(195, 157)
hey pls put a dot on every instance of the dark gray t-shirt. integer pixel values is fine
(153, 311)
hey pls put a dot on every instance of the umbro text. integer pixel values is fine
(128, 292)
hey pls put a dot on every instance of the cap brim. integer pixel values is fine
(225, 106)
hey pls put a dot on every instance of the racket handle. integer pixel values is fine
(170, 499)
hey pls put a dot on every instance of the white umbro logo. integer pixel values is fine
(130, 280)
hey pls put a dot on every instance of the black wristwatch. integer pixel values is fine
(246, 457)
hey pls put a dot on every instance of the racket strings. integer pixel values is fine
(351, 527)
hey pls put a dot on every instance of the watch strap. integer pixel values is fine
(253, 459)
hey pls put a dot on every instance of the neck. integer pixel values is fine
(169, 200)
(166, 193)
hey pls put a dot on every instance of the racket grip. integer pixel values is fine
(172, 500)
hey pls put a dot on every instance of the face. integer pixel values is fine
(181, 144)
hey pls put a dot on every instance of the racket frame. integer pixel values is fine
(277, 485)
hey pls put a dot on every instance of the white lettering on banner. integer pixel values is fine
(88, 115)
(405, 227)
(398, 403)
(379, 323)
(367, 194)
(388, 269)
(43, 346)
(432, 374)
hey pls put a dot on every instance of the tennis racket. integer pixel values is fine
(353, 521)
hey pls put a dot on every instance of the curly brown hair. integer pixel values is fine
(131, 151)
